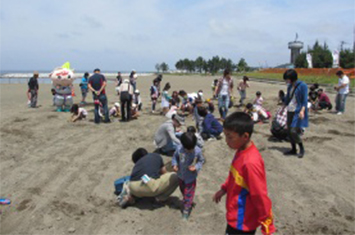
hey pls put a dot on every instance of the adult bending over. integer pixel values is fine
(126, 93)
(160, 185)
(297, 112)
(165, 138)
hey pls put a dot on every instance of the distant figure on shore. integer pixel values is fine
(343, 91)
(33, 88)
(119, 82)
(157, 81)
(84, 87)
(133, 79)
(242, 88)
(97, 84)
(224, 90)
(297, 115)
(154, 94)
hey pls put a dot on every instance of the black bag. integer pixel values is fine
(278, 131)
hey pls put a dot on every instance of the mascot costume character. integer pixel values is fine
(62, 79)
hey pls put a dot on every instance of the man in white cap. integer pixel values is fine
(165, 139)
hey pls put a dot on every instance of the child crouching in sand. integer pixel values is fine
(115, 110)
(248, 205)
(78, 113)
(187, 162)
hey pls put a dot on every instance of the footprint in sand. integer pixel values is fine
(319, 120)
(24, 205)
(335, 132)
(317, 139)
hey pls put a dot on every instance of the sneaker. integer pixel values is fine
(185, 215)
(339, 113)
(124, 196)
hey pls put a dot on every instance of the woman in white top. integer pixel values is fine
(224, 90)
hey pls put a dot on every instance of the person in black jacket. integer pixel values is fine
(33, 89)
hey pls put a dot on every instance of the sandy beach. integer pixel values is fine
(59, 175)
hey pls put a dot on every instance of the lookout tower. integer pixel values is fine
(295, 48)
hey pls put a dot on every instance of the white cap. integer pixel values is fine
(136, 91)
(117, 104)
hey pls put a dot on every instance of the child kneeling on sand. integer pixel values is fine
(78, 113)
(211, 128)
(187, 162)
(248, 205)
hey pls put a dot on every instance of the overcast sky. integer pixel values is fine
(124, 34)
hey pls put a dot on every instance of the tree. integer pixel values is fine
(157, 67)
(346, 59)
(301, 61)
(321, 56)
(242, 65)
(164, 67)
(199, 64)
(179, 65)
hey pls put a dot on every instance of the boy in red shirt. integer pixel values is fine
(248, 205)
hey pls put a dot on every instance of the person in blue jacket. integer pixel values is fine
(211, 128)
(84, 87)
(297, 112)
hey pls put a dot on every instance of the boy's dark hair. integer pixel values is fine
(291, 74)
(191, 129)
(202, 111)
(226, 72)
(320, 90)
(281, 93)
(339, 73)
(198, 101)
(182, 93)
(316, 85)
(167, 86)
(240, 123)
(53, 91)
(245, 78)
(138, 154)
(173, 102)
(74, 109)
(258, 93)
(86, 74)
(188, 140)
(249, 106)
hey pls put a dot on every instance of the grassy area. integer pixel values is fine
(307, 78)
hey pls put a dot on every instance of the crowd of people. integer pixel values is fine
(246, 182)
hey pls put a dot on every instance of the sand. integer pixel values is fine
(59, 175)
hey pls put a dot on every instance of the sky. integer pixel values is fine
(120, 35)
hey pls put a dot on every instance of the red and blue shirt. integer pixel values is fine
(248, 205)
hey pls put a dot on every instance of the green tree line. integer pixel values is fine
(322, 57)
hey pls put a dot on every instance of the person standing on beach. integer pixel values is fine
(224, 91)
(126, 95)
(84, 87)
(33, 89)
(343, 91)
(297, 112)
(242, 87)
(133, 79)
(97, 84)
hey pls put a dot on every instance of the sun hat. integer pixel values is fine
(126, 80)
(136, 92)
(117, 104)
(179, 119)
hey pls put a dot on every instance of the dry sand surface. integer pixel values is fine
(59, 175)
